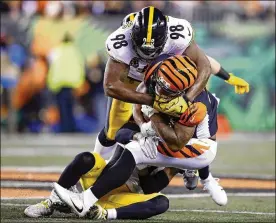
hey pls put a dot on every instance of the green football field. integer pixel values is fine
(247, 157)
(239, 209)
(233, 158)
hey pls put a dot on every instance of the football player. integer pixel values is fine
(175, 148)
(141, 38)
(138, 198)
(131, 48)
(170, 76)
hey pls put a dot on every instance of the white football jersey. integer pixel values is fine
(119, 44)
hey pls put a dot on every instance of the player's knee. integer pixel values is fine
(104, 140)
(124, 135)
(84, 161)
(163, 204)
(158, 205)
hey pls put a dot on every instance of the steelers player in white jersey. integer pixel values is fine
(131, 48)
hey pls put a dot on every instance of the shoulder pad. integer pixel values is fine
(129, 18)
(119, 45)
(180, 33)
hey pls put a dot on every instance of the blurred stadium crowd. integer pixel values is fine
(53, 60)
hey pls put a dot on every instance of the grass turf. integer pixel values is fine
(232, 158)
(183, 205)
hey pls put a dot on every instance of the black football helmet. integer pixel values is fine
(149, 33)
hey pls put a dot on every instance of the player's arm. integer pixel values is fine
(137, 113)
(203, 67)
(115, 88)
(154, 182)
(241, 86)
(175, 137)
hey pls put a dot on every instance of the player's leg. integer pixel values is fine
(191, 178)
(207, 180)
(208, 128)
(204, 173)
(115, 175)
(133, 155)
(124, 135)
(120, 172)
(118, 113)
(113, 178)
(144, 210)
(211, 184)
(130, 206)
(84, 164)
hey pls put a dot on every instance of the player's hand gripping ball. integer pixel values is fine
(193, 115)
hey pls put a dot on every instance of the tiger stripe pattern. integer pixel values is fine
(178, 72)
(188, 151)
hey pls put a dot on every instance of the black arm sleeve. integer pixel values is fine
(154, 183)
(223, 74)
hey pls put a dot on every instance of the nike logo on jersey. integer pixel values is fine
(189, 34)
(77, 208)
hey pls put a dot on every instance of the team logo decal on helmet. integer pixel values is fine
(164, 83)
(149, 45)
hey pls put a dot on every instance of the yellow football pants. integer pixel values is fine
(118, 112)
(118, 197)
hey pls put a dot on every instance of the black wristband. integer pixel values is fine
(223, 74)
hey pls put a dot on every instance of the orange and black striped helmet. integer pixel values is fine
(176, 73)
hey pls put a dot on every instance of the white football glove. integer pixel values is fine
(147, 130)
(148, 111)
(149, 146)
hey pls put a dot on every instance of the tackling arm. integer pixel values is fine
(175, 137)
(115, 88)
(203, 67)
(137, 113)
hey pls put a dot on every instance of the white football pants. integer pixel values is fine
(161, 160)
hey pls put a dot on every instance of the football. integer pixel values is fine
(194, 114)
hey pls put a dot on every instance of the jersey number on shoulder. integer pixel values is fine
(119, 41)
(175, 30)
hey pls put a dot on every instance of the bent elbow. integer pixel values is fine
(178, 145)
(108, 89)
(175, 147)
(208, 69)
